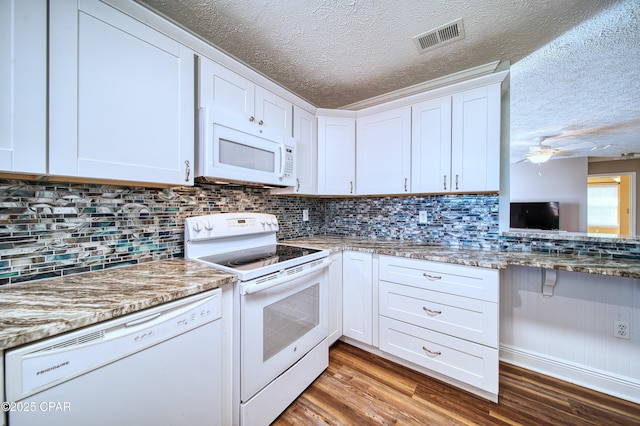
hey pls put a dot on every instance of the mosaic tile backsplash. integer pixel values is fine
(456, 220)
(48, 229)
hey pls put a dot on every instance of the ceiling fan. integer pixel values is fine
(543, 152)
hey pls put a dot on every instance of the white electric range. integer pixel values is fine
(280, 308)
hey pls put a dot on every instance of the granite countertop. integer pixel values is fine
(495, 259)
(35, 310)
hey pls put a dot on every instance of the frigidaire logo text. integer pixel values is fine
(53, 367)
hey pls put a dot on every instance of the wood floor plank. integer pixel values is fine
(360, 388)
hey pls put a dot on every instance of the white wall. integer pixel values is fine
(563, 180)
(570, 334)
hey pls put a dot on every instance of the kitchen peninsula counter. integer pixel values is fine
(487, 258)
(34, 310)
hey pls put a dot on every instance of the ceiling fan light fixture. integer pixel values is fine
(539, 157)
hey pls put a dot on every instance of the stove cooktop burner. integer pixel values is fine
(254, 258)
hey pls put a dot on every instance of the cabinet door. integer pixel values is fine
(383, 154)
(273, 112)
(357, 296)
(229, 91)
(121, 97)
(305, 132)
(23, 86)
(335, 297)
(475, 145)
(431, 146)
(336, 155)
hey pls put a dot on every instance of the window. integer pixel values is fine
(602, 205)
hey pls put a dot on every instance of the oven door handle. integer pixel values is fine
(252, 289)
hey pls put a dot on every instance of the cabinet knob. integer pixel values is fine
(444, 181)
(187, 171)
(351, 187)
(260, 122)
(405, 184)
(252, 119)
(297, 184)
(456, 182)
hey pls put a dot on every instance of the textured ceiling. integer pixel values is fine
(575, 63)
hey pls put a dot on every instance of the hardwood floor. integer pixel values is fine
(360, 388)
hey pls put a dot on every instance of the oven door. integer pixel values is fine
(279, 325)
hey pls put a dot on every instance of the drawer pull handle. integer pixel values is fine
(432, 353)
(431, 277)
(431, 311)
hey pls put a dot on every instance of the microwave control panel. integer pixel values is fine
(289, 162)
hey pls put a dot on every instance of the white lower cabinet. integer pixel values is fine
(335, 297)
(441, 317)
(357, 296)
(3, 419)
(474, 364)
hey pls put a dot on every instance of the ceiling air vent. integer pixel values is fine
(442, 35)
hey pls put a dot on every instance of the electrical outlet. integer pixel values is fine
(422, 216)
(621, 329)
(305, 215)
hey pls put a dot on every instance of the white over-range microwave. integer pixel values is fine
(229, 149)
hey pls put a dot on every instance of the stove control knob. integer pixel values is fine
(197, 227)
(208, 226)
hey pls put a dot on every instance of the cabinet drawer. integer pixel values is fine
(474, 364)
(470, 319)
(462, 280)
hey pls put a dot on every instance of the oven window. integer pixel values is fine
(246, 156)
(287, 320)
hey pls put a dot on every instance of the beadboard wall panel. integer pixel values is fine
(570, 334)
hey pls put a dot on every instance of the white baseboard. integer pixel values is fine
(601, 381)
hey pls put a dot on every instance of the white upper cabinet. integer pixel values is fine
(475, 140)
(239, 96)
(305, 132)
(336, 155)
(383, 152)
(431, 145)
(121, 97)
(23, 86)
(456, 142)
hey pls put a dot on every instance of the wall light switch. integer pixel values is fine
(422, 216)
(305, 215)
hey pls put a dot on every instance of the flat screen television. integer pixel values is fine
(535, 215)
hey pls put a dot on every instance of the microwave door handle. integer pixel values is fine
(282, 160)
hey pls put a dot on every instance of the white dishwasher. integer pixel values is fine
(160, 366)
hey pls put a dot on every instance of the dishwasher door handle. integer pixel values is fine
(142, 320)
